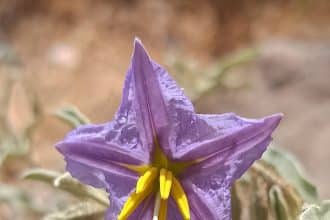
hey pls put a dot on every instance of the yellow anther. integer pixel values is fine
(168, 185)
(144, 187)
(140, 169)
(146, 179)
(180, 198)
(165, 183)
(133, 202)
(162, 180)
(162, 210)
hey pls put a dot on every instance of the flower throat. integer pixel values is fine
(159, 178)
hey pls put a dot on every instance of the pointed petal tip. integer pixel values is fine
(60, 146)
(274, 120)
(139, 50)
(138, 45)
(137, 40)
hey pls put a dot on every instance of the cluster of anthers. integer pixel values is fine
(160, 179)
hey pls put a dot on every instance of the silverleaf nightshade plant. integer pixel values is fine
(158, 158)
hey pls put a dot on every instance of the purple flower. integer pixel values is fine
(158, 157)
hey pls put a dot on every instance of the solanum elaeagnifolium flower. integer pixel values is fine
(158, 158)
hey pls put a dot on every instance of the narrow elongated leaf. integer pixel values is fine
(83, 210)
(72, 116)
(67, 183)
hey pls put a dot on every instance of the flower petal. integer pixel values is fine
(110, 142)
(143, 212)
(210, 134)
(208, 183)
(117, 181)
(155, 97)
(173, 212)
(208, 199)
(95, 154)
(208, 186)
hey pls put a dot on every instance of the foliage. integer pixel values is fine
(289, 168)
(72, 116)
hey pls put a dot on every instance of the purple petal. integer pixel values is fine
(141, 96)
(208, 199)
(143, 212)
(210, 134)
(110, 142)
(173, 212)
(93, 154)
(207, 184)
(239, 143)
(178, 108)
(154, 97)
(117, 181)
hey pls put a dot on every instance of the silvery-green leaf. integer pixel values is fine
(72, 116)
(317, 212)
(67, 183)
(83, 210)
(288, 167)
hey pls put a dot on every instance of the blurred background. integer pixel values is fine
(265, 57)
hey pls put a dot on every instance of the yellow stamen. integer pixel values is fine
(165, 183)
(132, 203)
(168, 185)
(180, 198)
(162, 180)
(162, 210)
(140, 169)
(146, 179)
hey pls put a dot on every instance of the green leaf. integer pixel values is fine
(288, 167)
(315, 212)
(67, 183)
(82, 210)
(72, 116)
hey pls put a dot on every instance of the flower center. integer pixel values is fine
(159, 178)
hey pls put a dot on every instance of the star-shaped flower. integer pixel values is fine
(158, 158)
